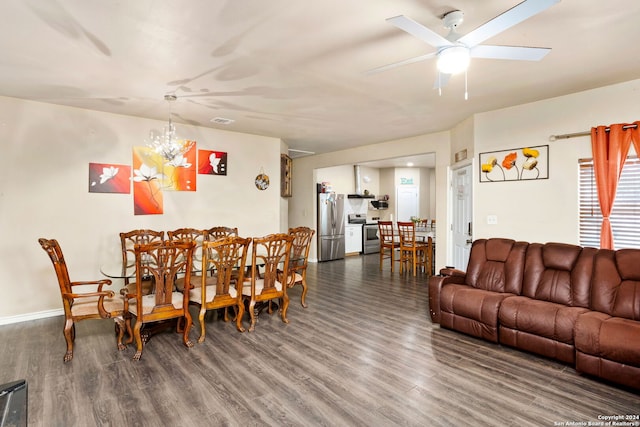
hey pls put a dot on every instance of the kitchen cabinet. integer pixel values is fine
(353, 238)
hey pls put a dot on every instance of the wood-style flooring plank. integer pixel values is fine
(364, 353)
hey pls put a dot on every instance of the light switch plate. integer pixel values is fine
(492, 219)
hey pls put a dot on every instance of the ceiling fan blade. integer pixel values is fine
(441, 80)
(398, 64)
(506, 20)
(509, 52)
(419, 31)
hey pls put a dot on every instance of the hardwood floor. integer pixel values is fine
(363, 354)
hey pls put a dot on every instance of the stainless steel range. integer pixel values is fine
(370, 238)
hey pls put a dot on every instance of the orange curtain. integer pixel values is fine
(610, 151)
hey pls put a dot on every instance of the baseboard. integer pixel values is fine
(31, 316)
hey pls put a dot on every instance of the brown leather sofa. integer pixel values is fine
(607, 338)
(577, 305)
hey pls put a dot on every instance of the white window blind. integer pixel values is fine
(625, 216)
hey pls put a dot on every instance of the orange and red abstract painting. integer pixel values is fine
(109, 178)
(212, 162)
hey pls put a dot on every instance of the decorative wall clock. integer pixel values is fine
(262, 181)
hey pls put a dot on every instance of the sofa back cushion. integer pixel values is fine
(496, 265)
(615, 286)
(559, 273)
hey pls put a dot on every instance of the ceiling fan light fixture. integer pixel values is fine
(453, 60)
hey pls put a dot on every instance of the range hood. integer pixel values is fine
(358, 192)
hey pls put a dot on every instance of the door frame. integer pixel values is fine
(451, 201)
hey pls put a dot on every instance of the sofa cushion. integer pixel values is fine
(559, 273)
(542, 318)
(470, 310)
(615, 286)
(608, 337)
(496, 265)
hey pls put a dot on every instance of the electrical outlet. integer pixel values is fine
(492, 219)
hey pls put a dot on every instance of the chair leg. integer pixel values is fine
(138, 338)
(252, 314)
(304, 293)
(69, 336)
(127, 323)
(392, 257)
(120, 327)
(203, 332)
(415, 263)
(239, 315)
(185, 335)
(285, 306)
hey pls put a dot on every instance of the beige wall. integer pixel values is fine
(536, 211)
(46, 151)
(545, 210)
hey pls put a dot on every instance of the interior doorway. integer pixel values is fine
(462, 215)
(407, 202)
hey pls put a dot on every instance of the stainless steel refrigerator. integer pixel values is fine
(330, 226)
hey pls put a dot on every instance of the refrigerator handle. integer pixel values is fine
(333, 215)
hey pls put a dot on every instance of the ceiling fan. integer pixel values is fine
(455, 51)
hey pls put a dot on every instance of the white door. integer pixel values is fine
(407, 205)
(462, 207)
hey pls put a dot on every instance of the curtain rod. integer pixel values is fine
(585, 133)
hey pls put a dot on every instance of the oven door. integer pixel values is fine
(370, 239)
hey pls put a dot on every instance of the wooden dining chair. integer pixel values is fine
(220, 232)
(80, 303)
(128, 240)
(190, 235)
(388, 242)
(163, 262)
(300, 246)
(268, 279)
(227, 257)
(412, 252)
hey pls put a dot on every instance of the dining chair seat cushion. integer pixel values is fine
(296, 279)
(246, 288)
(89, 305)
(196, 282)
(131, 287)
(195, 294)
(149, 302)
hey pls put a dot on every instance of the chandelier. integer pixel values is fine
(166, 143)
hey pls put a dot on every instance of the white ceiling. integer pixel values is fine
(295, 69)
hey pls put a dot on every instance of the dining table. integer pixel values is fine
(116, 270)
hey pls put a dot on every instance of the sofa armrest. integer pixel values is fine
(435, 286)
(451, 271)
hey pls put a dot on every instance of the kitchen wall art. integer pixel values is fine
(518, 164)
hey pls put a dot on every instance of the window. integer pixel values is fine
(625, 216)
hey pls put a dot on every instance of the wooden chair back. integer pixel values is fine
(269, 269)
(220, 232)
(298, 261)
(388, 242)
(163, 262)
(411, 251)
(190, 235)
(128, 240)
(95, 303)
(227, 258)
